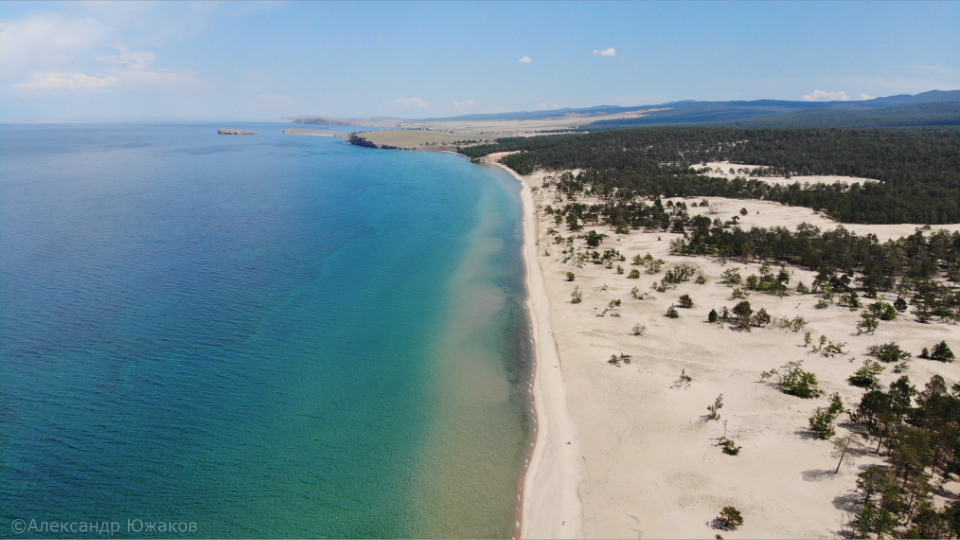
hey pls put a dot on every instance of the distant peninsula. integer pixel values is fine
(324, 121)
(315, 132)
(236, 132)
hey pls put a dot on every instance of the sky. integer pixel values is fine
(276, 60)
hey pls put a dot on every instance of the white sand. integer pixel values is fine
(550, 502)
(721, 169)
(642, 459)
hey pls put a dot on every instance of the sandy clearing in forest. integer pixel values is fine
(721, 169)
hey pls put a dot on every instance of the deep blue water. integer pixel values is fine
(269, 336)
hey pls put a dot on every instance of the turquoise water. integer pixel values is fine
(269, 336)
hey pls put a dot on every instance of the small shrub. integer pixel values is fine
(729, 447)
(672, 312)
(743, 311)
(900, 305)
(797, 323)
(869, 323)
(883, 311)
(712, 316)
(739, 295)
(571, 276)
(635, 293)
(701, 280)
(942, 352)
(634, 274)
(663, 286)
(794, 381)
(743, 211)
(867, 375)
(619, 269)
(679, 274)
(762, 318)
(829, 349)
(925, 354)
(615, 359)
(576, 296)
(731, 516)
(901, 367)
(802, 289)
(638, 329)
(821, 423)
(715, 408)
(888, 352)
(686, 302)
(731, 276)
(836, 404)
(850, 300)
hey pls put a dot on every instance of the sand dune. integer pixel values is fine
(649, 462)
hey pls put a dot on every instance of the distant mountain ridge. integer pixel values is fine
(924, 115)
(748, 112)
(695, 112)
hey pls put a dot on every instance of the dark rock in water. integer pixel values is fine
(360, 141)
(235, 132)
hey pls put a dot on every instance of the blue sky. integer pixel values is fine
(178, 60)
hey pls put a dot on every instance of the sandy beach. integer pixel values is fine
(549, 500)
(643, 461)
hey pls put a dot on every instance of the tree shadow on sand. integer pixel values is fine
(848, 502)
(817, 475)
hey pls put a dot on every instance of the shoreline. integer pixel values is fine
(548, 497)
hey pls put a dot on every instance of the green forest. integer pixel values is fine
(758, 115)
(918, 171)
(932, 115)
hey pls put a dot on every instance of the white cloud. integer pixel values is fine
(545, 107)
(47, 41)
(61, 51)
(865, 97)
(69, 81)
(465, 104)
(525, 60)
(133, 68)
(416, 102)
(821, 95)
(130, 60)
(605, 52)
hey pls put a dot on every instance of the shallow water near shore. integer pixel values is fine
(269, 335)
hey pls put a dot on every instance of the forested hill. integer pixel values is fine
(919, 171)
(942, 110)
(926, 115)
